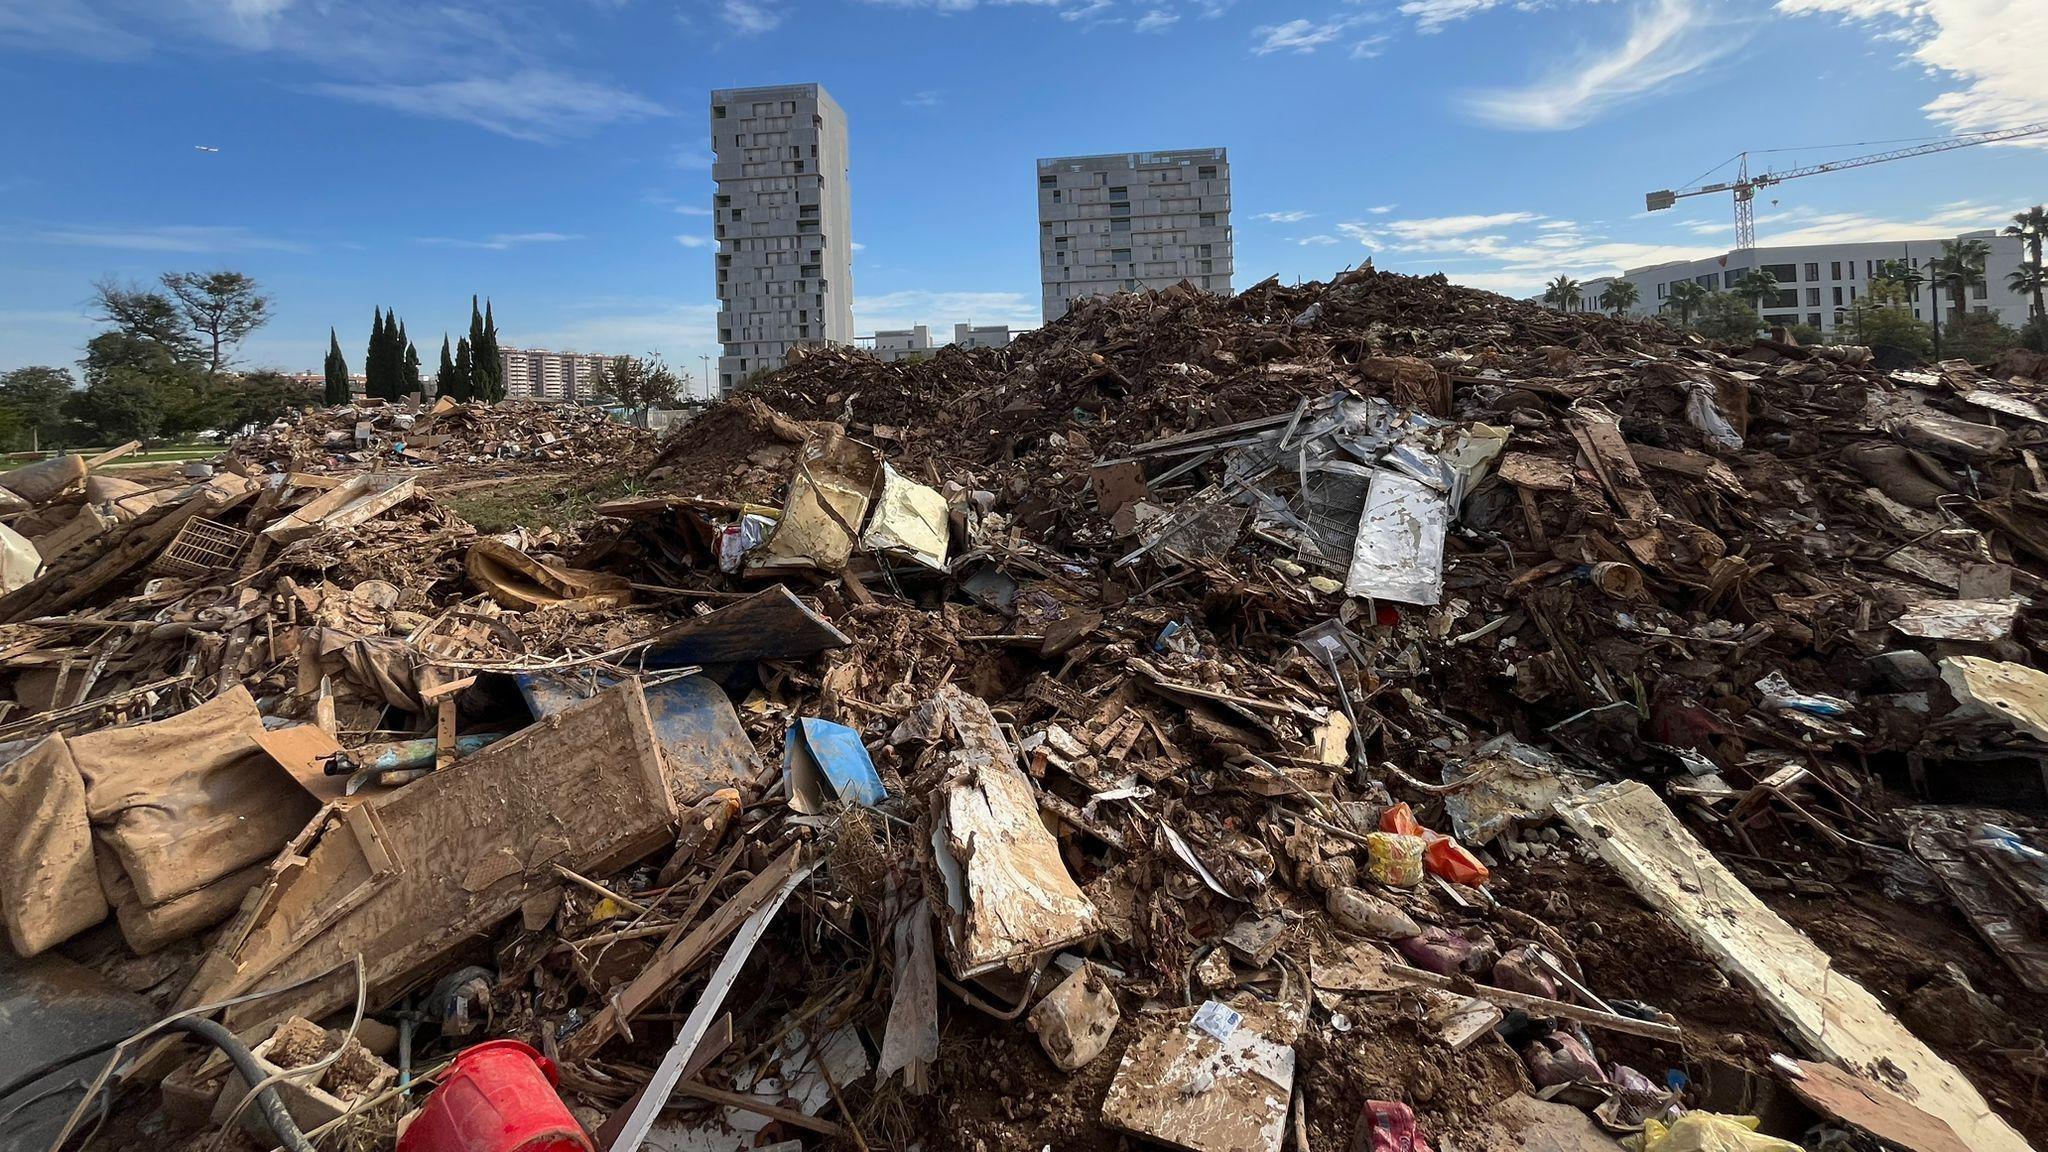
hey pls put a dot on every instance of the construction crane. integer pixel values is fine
(1744, 185)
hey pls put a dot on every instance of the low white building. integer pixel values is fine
(1817, 283)
(916, 343)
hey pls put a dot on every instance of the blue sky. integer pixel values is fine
(553, 155)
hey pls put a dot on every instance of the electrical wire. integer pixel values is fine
(93, 1091)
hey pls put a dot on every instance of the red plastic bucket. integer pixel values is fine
(498, 1096)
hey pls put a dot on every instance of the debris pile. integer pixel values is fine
(373, 434)
(1372, 714)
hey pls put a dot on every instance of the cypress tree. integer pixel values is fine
(465, 372)
(337, 371)
(413, 383)
(373, 359)
(479, 371)
(495, 365)
(444, 376)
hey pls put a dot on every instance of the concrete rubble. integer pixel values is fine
(1363, 715)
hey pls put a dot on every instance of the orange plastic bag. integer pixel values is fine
(1442, 855)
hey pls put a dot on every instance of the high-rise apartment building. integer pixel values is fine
(1133, 221)
(782, 219)
(539, 374)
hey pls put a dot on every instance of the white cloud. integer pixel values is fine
(67, 26)
(690, 210)
(929, 98)
(1991, 50)
(1382, 209)
(859, 247)
(1426, 229)
(749, 17)
(1087, 10)
(1432, 15)
(689, 241)
(1300, 35)
(160, 238)
(692, 160)
(1667, 41)
(1156, 20)
(531, 105)
(1317, 240)
(1291, 217)
(500, 241)
(943, 309)
(1370, 47)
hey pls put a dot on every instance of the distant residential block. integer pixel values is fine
(541, 374)
(1133, 221)
(783, 223)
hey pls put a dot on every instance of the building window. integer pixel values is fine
(1835, 271)
(1119, 225)
(1120, 255)
(1838, 297)
(1119, 193)
(1661, 290)
(1813, 319)
(1206, 172)
(1208, 219)
(1979, 292)
(1813, 271)
(718, 111)
(1048, 181)
(1783, 273)
(1813, 297)
(1202, 250)
(1055, 195)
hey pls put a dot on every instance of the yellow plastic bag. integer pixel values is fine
(1707, 1132)
(1393, 859)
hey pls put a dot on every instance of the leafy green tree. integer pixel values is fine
(145, 315)
(120, 401)
(1883, 321)
(1727, 316)
(481, 367)
(444, 374)
(1685, 297)
(2034, 334)
(410, 367)
(260, 397)
(1562, 292)
(1620, 296)
(1961, 268)
(336, 371)
(34, 400)
(222, 308)
(1806, 335)
(465, 372)
(1756, 286)
(1979, 337)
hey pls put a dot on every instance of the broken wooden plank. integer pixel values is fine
(358, 501)
(769, 625)
(1829, 1013)
(465, 848)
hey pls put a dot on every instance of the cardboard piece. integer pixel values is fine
(1865, 1104)
(1185, 1087)
(828, 500)
(1829, 1014)
(522, 583)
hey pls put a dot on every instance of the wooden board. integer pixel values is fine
(1826, 1011)
(770, 625)
(1869, 1106)
(436, 863)
(1184, 1088)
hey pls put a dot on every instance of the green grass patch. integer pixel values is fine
(547, 503)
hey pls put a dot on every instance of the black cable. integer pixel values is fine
(281, 1123)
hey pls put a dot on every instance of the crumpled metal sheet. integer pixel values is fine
(1399, 553)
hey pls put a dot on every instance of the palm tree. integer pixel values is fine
(1563, 292)
(1686, 296)
(2029, 280)
(1756, 286)
(1961, 267)
(1620, 296)
(2031, 227)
